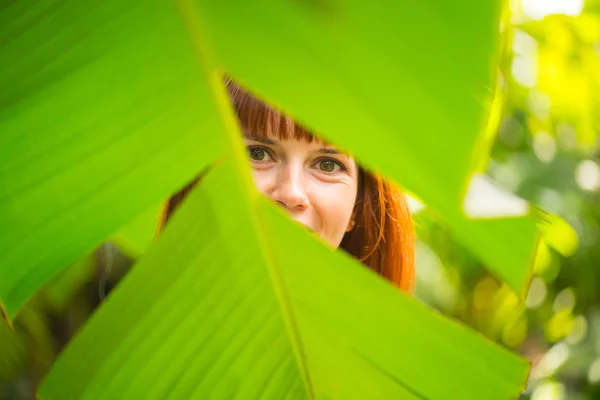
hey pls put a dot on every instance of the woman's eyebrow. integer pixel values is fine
(271, 142)
(329, 151)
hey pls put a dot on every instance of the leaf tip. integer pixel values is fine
(5, 316)
(524, 290)
(523, 386)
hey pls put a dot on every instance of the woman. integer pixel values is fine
(325, 190)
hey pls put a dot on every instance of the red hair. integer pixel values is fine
(382, 237)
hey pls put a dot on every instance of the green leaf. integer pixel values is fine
(391, 79)
(167, 339)
(253, 307)
(402, 84)
(61, 289)
(509, 244)
(137, 236)
(234, 300)
(344, 308)
(103, 113)
(12, 355)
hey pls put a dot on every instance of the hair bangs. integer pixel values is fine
(263, 121)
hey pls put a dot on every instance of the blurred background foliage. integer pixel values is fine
(545, 150)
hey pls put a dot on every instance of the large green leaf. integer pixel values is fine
(509, 245)
(234, 300)
(137, 236)
(403, 84)
(103, 106)
(103, 113)
(252, 307)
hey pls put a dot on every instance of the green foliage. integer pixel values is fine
(231, 320)
(106, 129)
(546, 151)
(383, 81)
(137, 236)
(234, 299)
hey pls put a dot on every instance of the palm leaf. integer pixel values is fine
(403, 84)
(101, 106)
(111, 111)
(252, 307)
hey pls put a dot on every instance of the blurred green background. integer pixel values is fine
(545, 150)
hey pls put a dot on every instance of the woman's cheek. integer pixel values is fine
(335, 206)
(263, 179)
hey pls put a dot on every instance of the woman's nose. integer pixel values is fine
(289, 189)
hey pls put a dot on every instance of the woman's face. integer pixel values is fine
(314, 182)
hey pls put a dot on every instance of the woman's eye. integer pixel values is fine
(258, 154)
(329, 166)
